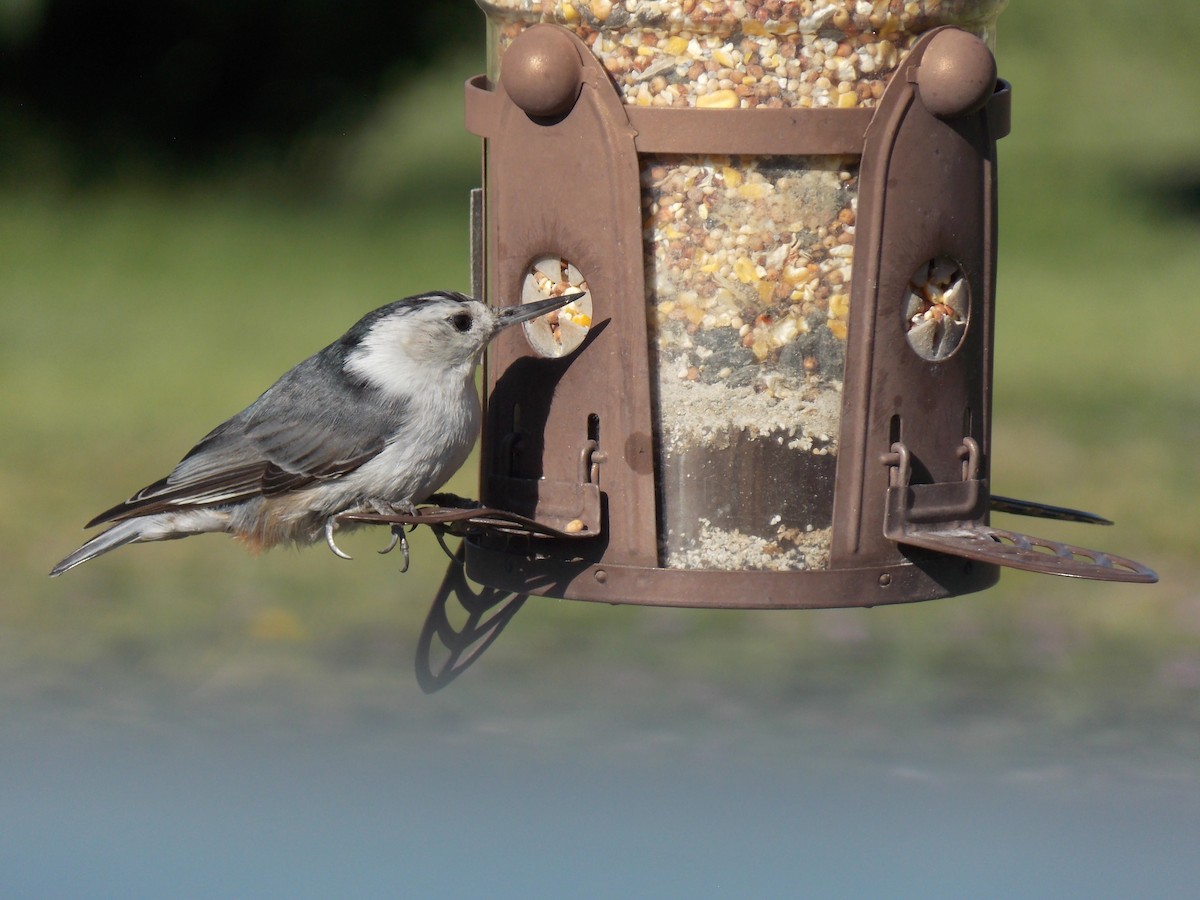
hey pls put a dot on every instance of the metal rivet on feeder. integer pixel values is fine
(776, 392)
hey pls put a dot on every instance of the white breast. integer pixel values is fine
(440, 427)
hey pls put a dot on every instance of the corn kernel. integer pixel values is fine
(755, 190)
(676, 46)
(785, 332)
(724, 99)
(569, 13)
(839, 306)
(796, 275)
(723, 57)
(838, 329)
(732, 177)
(848, 100)
(745, 270)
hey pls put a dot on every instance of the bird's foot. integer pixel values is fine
(392, 507)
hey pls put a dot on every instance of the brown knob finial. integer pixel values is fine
(957, 74)
(541, 71)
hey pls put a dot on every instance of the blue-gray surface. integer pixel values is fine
(101, 811)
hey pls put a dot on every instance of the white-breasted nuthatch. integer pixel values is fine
(375, 422)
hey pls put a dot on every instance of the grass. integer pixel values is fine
(136, 315)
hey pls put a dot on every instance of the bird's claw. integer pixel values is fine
(440, 534)
(337, 551)
(401, 539)
(398, 536)
(404, 550)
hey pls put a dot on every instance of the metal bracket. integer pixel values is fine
(933, 504)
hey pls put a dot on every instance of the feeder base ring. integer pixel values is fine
(924, 577)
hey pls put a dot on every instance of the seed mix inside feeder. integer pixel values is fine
(779, 392)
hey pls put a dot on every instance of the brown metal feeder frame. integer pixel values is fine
(568, 457)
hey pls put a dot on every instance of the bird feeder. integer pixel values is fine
(777, 390)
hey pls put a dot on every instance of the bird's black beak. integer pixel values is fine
(511, 315)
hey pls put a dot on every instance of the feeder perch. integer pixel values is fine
(777, 391)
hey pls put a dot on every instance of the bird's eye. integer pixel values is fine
(461, 322)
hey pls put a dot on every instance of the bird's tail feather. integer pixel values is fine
(118, 536)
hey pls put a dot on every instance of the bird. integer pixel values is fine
(376, 422)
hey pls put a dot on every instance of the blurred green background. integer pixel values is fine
(194, 196)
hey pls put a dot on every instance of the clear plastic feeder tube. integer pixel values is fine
(748, 270)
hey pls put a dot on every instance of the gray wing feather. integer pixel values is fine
(313, 424)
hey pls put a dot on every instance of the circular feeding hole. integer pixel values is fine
(560, 332)
(936, 309)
